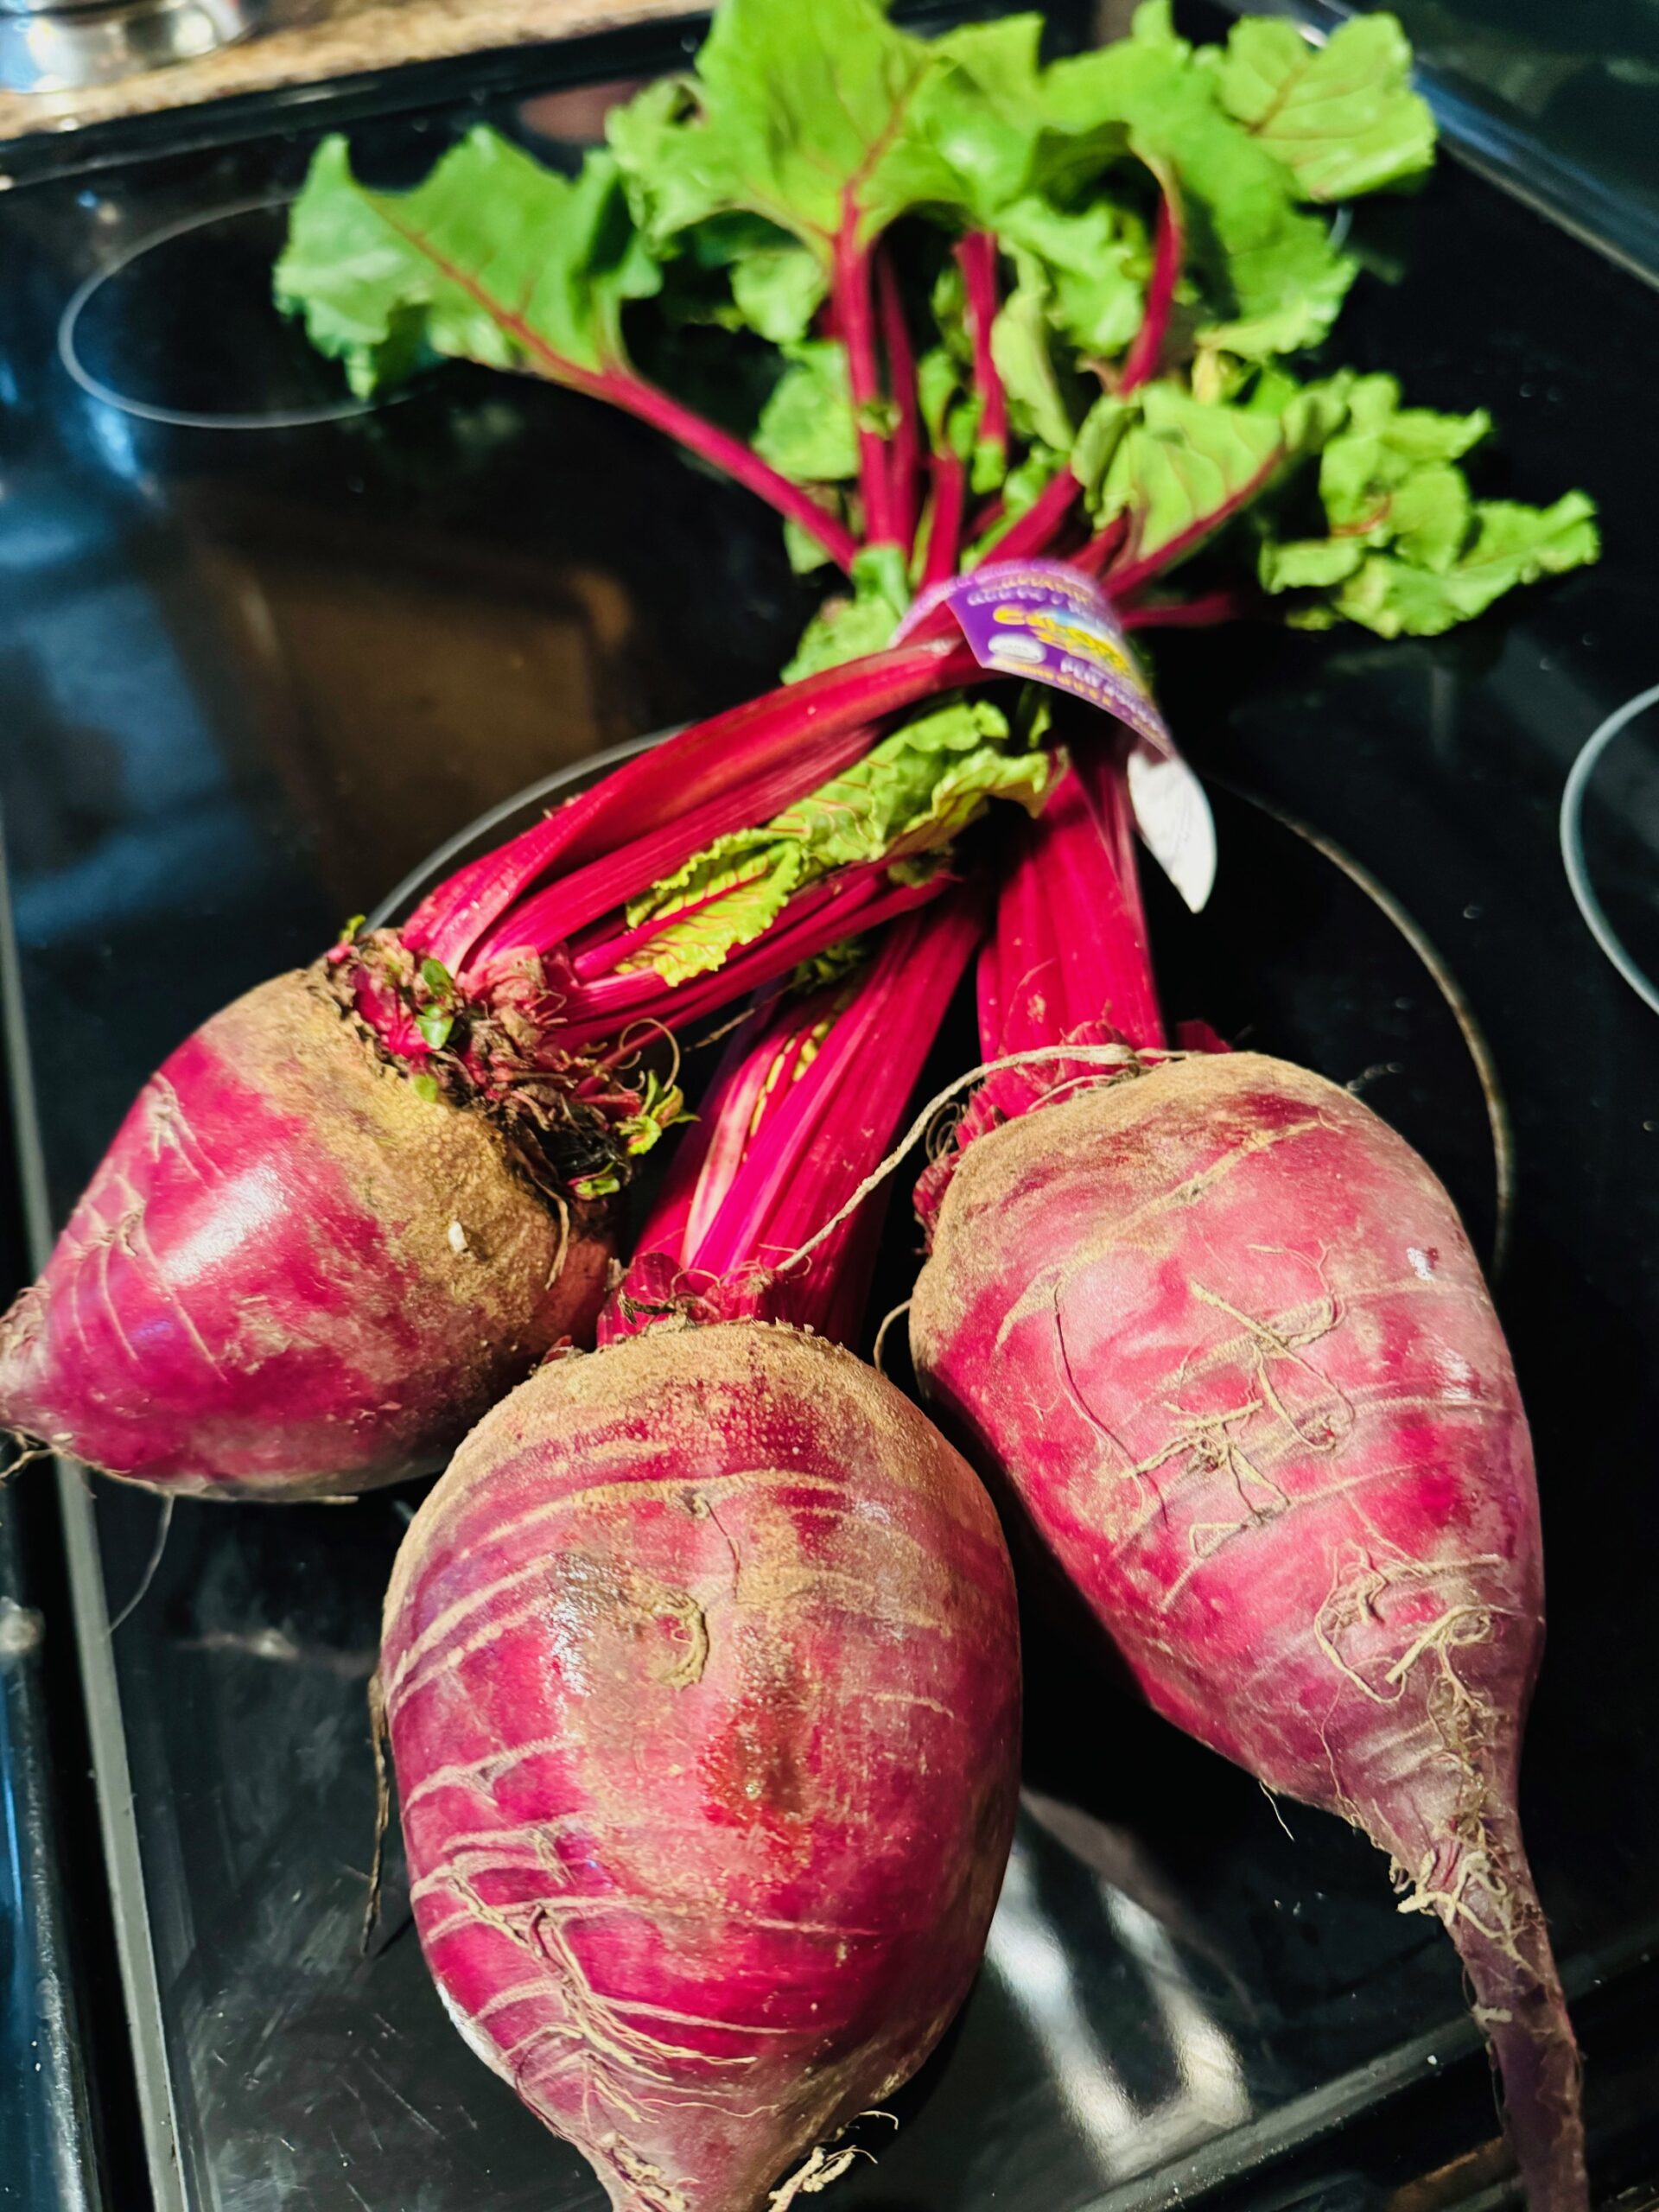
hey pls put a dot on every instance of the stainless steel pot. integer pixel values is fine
(62, 46)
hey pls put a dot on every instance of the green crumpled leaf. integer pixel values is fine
(777, 291)
(949, 411)
(1267, 277)
(845, 628)
(1180, 467)
(490, 258)
(1098, 440)
(794, 114)
(827, 119)
(904, 802)
(1095, 261)
(1387, 478)
(1041, 401)
(986, 114)
(1308, 563)
(1342, 116)
(806, 429)
(1508, 544)
(1310, 415)
(1408, 549)
(740, 272)
(1031, 475)
(1380, 446)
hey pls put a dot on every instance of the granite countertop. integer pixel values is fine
(313, 41)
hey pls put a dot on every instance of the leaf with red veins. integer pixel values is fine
(490, 258)
(832, 123)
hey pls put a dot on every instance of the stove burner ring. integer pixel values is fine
(1573, 859)
(294, 418)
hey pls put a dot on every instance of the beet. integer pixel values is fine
(1223, 1330)
(292, 1275)
(357, 1206)
(702, 1675)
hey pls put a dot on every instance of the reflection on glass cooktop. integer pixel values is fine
(250, 674)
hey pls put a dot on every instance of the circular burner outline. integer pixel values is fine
(1572, 858)
(294, 418)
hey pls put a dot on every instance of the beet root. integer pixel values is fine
(291, 1275)
(1224, 1331)
(702, 1673)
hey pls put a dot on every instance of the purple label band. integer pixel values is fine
(1043, 620)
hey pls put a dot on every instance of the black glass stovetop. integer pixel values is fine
(260, 652)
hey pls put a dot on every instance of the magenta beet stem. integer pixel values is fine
(1146, 348)
(1127, 577)
(975, 255)
(796, 722)
(841, 907)
(904, 465)
(572, 900)
(986, 519)
(622, 388)
(949, 472)
(1203, 613)
(1030, 533)
(734, 456)
(1070, 945)
(802, 1110)
(1103, 547)
(856, 314)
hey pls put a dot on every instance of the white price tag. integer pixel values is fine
(1173, 817)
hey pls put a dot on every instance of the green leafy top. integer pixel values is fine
(728, 201)
(492, 258)
(1407, 548)
(832, 123)
(1341, 117)
(793, 112)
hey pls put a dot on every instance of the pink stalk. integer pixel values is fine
(825, 914)
(1125, 578)
(1200, 614)
(731, 454)
(976, 258)
(950, 478)
(1142, 360)
(905, 467)
(1069, 950)
(573, 899)
(854, 312)
(986, 519)
(802, 1109)
(1032, 532)
(622, 388)
(799, 723)
(1102, 548)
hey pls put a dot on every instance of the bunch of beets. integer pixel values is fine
(701, 1664)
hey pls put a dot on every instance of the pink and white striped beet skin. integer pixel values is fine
(292, 1276)
(701, 1676)
(1224, 1332)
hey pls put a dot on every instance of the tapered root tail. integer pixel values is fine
(1477, 1884)
(380, 1736)
(1519, 2005)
